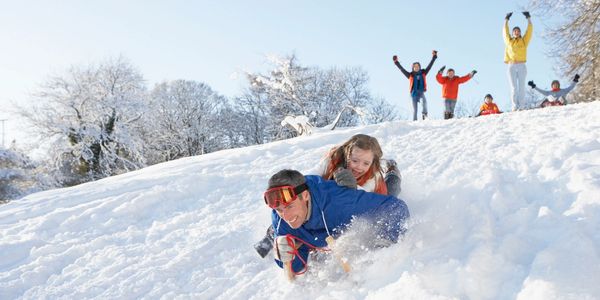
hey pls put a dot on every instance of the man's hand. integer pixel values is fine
(576, 78)
(434, 53)
(284, 252)
(442, 70)
(395, 58)
(531, 84)
(526, 14)
(508, 16)
(344, 177)
(473, 73)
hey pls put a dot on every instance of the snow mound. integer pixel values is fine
(502, 207)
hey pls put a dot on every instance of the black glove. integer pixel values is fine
(576, 78)
(434, 53)
(526, 14)
(344, 177)
(395, 58)
(531, 84)
(508, 16)
(474, 72)
(441, 69)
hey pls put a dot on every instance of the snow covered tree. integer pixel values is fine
(286, 90)
(20, 176)
(184, 120)
(292, 90)
(247, 122)
(90, 113)
(11, 174)
(337, 89)
(575, 41)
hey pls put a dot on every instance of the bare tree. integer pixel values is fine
(183, 120)
(253, 122)
(575, 41)
(467, 108)
(382, 111)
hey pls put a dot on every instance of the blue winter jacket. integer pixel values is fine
(338, 205)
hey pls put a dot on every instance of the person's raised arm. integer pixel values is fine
(467, 77)
(505, 32)
(573, 83)
(433, 58)
(543, 92)
(533, 86)
(440, 78)
(529, 31)
(397, 63)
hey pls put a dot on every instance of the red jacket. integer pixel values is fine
(488, 109)
(450, 85)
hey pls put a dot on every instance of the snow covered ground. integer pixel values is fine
(502, 207)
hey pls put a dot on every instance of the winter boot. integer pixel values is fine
(446, 115)
(450, 115)
(264, 246)
(424, 116)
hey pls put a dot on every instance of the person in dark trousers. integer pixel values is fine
(556, 96)
(308, 213)
(417, 83)
(450, 89)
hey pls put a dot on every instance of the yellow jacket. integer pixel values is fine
(516, 48)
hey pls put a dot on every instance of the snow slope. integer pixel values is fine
(502, 207)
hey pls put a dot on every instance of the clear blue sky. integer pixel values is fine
(209, 41)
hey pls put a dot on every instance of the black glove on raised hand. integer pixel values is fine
(508, 16)
(526, 14)
(531, 84)
(344, 177)
(442, 70)
(474, 72)
(434, 53)
(576, 78)
(395, 58)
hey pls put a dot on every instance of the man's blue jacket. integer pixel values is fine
(338, 205)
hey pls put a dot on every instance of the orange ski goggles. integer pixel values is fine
(283, 195)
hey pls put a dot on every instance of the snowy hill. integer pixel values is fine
(502, 207)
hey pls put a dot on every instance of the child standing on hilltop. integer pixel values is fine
(450, 89)
(418, 83)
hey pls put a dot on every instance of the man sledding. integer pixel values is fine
(556, 96)
(308, 213)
